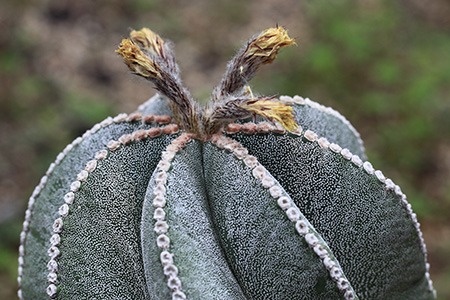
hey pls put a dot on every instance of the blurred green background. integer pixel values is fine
(385, 65)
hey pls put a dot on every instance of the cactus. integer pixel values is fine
(251, 197)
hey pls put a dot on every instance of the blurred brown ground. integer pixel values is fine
(385, 66)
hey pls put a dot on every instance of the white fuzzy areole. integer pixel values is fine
(328, 110)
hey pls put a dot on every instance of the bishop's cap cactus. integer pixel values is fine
(250, 197)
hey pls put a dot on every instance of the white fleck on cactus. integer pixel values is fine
(177, 201)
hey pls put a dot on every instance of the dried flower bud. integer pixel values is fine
(273, 111)
(268, 43)
(137, 61)
(259, 50)
(148, 41)
(154, 46)
(147, 55)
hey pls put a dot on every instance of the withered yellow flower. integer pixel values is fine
(274, 111)
(136, 60)
(148, 55)
(269, 42)
(148, 41)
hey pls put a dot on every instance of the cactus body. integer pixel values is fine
(138, 208)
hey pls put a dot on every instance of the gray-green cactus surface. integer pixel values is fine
(175, 202)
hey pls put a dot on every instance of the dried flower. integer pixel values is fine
(268, 43)
(137, 61)
(272, 110)
(148, 55)
(259, 50)
(149, 41)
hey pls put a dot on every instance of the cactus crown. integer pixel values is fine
(148, 55)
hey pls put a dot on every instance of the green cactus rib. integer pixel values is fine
(371, 205)
(110, 217)
(186, 256)
(46, 197)
(221, 231)
(289, 267)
